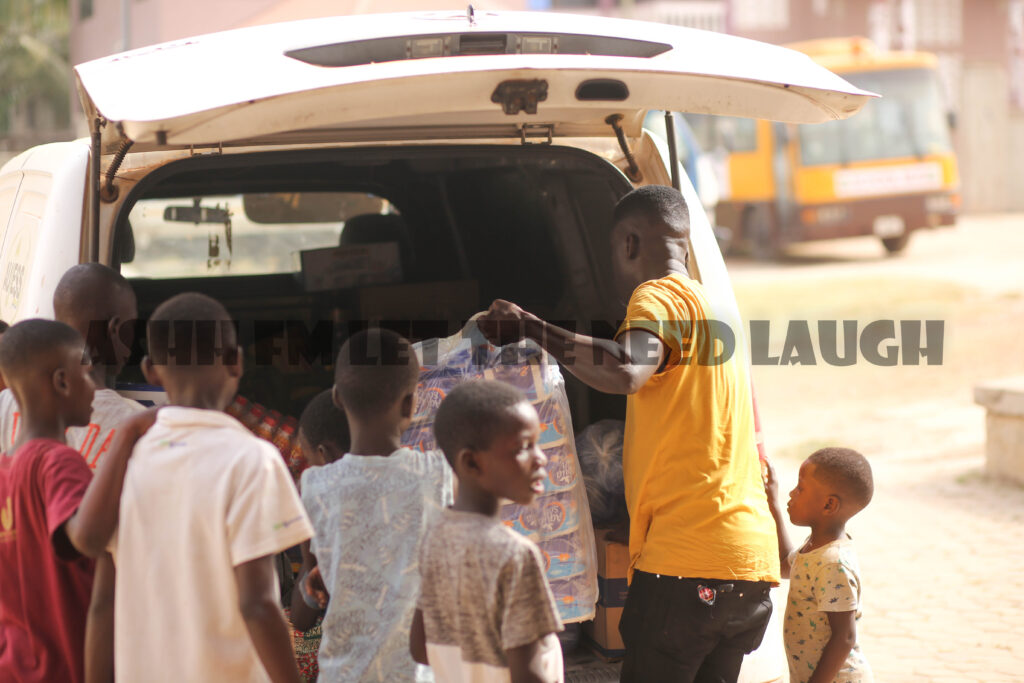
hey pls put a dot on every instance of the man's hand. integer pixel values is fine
(504, 322)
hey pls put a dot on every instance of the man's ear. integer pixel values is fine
(336, 398)
(151, 372)
(632, 246)
(408, 402)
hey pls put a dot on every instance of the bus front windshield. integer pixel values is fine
(909, 120)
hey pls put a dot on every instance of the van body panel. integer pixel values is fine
(242, 85)
(44, 225)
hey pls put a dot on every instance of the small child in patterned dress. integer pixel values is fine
(823, 607)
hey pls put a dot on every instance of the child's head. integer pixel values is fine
(193, 351)
(99, 302)
(834, 485)
(323, 430)
(46, 366)
(375, 379)
(489, 433)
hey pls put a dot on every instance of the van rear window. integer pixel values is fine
(241, 234)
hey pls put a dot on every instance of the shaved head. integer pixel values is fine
(650, 237)
(89, 292)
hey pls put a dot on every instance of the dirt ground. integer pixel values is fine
(941, 545)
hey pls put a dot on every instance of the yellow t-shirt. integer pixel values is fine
(693, 480)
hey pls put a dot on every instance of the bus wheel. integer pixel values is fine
(759, 230)
(895, 245)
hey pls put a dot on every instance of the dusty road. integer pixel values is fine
(940, 546)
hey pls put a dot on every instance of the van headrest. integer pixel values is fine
(373, 228)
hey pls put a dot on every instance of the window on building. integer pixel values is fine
(760, 15)
(84, 9)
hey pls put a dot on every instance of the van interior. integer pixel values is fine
(306, 247)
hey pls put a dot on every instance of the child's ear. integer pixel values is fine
(468, 461)
(60, 381)
(408, 401)
(336, 398)
(150, 372)
(234, 364)
(833, 504)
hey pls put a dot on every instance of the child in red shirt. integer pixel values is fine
(45, 581)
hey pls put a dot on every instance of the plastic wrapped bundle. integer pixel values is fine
(559, 519)
(600, 451)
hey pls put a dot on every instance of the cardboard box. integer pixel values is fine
(450, 302)
(612, 566)
(350, 266)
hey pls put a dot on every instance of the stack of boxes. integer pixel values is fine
(612, 565)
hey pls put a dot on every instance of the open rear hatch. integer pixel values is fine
(444, 75)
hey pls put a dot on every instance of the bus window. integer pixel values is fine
(908, 121)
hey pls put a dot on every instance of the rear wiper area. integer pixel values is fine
(397, 48)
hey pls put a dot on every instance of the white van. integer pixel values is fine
(473, 156)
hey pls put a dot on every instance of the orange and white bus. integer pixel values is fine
(887, 171)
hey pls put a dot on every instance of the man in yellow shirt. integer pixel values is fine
(702, 542)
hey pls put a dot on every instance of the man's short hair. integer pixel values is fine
(4, 326)
(375, 369)
(86, 291)
(25, 345)
(845, 470)
(472, 414)
(193, 328)
(323, 422)
(657, 204)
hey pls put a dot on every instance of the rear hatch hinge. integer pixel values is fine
(537, 133)
(632, 169)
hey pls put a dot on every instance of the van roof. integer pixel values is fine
(444, 74)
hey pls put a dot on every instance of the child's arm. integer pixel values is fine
(258, 601)
(526, 663)
(304, 616)
(844, 637)
(99, 625)
(771, 487)
(91, 527)
(418, 638)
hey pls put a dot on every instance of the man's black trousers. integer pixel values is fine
(682, 630)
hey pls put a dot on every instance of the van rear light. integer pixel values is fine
(397, 48)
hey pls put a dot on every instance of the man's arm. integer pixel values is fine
(844, 637)
(91, 527)
(99, 625)
(418, 638)
(258, 597)
(619, 366)
(526, 663)
(771, 487)
(303, 616)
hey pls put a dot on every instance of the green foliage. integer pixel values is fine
(34, 55)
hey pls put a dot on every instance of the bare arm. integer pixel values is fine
(844, 637)
(99, 625)
(258, 597)
(418, 639)
(303, 616)
(618, 366)
(771, 487)
(526, 663)
(91, 527)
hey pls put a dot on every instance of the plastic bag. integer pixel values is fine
(559, 519)
(600, 453)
